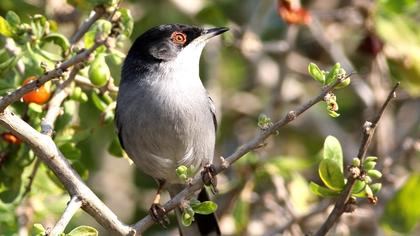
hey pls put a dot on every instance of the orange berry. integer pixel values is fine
(39, 96)
(10, 138)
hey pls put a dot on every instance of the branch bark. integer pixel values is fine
(71, 209)
(368, 131)
(197, 183)
(45, 148)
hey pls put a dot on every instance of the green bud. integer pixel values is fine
(355, 162)
(369, 165)
(181, 170)
(371, 158)
(374, 174)
(316, 73)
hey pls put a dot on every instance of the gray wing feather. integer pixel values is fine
(213, 112)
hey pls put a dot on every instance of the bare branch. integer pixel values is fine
(54, 105)
(368, 131)
(197, 183)
(99, 11)
(69, 212)
(31, 178)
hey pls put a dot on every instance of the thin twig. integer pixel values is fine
(368, 131)
(68, 213)
(197, 183)
(99, 11)
(54, 105)
(20, 92)
(31, 178)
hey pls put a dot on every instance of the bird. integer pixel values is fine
(164, 116)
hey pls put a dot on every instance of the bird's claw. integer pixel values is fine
(158, 214)
(209, 177)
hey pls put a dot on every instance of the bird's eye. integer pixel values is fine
(179, 38)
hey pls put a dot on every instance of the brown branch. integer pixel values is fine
(368, 131)
(99, 11)
(197, 183)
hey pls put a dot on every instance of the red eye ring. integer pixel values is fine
(178, 37)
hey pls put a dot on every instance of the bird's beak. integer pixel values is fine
(210, 33)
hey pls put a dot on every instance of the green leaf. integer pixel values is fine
(83, 231)
(402, 212)
(97, 101)
(57, 39)
(38, 230)
(358, 187)
(115, 148)
(70, 151)
(322, 191)
(187, 216)
(5, 28)
(369, 165)
(376, 187)
(333, 151)
(12, 191)
(316, 73)
(370, 158)
(376, 174)
(332, 74)
(331, 174)
(126, 21)
(205, 208)
(13, 19)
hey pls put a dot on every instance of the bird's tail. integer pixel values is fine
(202, 224)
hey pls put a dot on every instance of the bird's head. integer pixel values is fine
(172, 43)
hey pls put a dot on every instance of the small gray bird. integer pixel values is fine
(164, 116)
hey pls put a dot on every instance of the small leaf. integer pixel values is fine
(331, 174)
(316, 73)
(376, 174)
(322, 191)
(70, 151)
(13, 19)
(402, 212)
(331, 77)
(333, 151)
(101, 105)
(333, 114)
(355, 162)
(358, 187)
(369, 165)
(126, 21)
(370, 158)
(83, 231)
(115, 148)
(5, 28)
(38, 229)
(187, 216)
(205, 208)
(376, 187)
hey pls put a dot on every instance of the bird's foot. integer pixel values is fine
(209, 177)
(158, 214)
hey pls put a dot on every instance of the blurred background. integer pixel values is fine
(260, 67)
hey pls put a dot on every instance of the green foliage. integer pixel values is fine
(402, 212)
(327, 78)
(331, 173)
(83, 231)
(197, 207)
